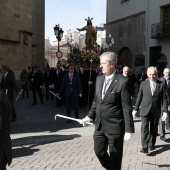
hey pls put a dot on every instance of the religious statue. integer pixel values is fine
(91, 35)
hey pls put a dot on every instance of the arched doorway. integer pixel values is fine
(125, 57)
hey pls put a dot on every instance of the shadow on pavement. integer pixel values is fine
(41, 118)
(27, 145)
(160, 166)
(160, 149)
(39, 140)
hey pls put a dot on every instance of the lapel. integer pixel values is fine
(113, 83)
(148, 87)
(157, 86)
(100, 86)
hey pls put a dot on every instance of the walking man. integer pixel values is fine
(151, 99)
(111, 109)
(71, 86)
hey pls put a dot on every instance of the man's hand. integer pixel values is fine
(90, 83)
(80, 95)
(85, 120)
(127, 136)
(169, 108)
(134, 113)
(51, 86)
(164, 116)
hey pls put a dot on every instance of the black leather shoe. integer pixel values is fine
(151, 148)
(162, 138)
(144, 150)
(34, 104)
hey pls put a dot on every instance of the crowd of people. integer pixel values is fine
(110, 101)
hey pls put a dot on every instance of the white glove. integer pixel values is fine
(127, 136)
(169, 108)
(85, 120)
(90, 83)
(51, 86)
(134, 113)
(164, 116)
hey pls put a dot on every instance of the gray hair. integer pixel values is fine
(154, 68)
(111, 56)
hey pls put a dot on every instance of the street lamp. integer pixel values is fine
(59, 33)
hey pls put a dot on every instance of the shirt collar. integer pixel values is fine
(110, 76)
(5, 74)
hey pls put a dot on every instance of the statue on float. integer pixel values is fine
(91, 35)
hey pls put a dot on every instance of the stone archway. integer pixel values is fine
(125, 57)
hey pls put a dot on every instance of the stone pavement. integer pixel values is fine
(41, 143)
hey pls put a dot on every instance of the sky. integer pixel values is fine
(71, 14)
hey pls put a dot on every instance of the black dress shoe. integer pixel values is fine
(144, 150)
(162, 138)
(34, 104)
(151, 148)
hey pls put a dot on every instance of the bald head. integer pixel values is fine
(166, 73)
(126, 71)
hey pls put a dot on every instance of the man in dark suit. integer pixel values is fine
(112, 111)
(126, 73)
(48, 78)
(166, 81)
(58, 76)
(71, 86)
(151, 99)
(36, 77)
(5, 140)
(141, 76)
(8, 84)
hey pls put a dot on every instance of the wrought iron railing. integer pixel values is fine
(160, 30)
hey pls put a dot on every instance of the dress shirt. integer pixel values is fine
(106, 84)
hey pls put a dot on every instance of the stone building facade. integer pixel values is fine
(133, 25)
(22, 33)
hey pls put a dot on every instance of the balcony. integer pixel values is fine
(160, 30)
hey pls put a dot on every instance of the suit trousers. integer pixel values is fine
(102, 140)
(11, 98)
(3, 162)
(71, 101)
(38, 90)
(161, 127)
(148, 130)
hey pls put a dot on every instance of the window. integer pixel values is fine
(166, 19)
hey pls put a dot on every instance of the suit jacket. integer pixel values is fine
(114, 112)
(9, 83)
(58, 79)
(147, 102)
(5, 120)
(36, 79)
(67, 86)
(167, 88)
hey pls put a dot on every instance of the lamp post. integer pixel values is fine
(59, 34)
